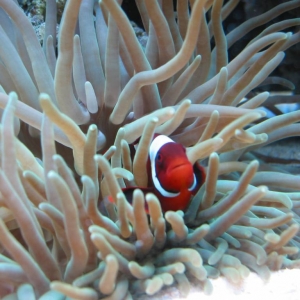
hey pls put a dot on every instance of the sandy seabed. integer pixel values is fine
(283, 284)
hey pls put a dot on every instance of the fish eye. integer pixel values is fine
(159, 157)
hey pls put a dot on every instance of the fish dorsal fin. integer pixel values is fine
(155, 146)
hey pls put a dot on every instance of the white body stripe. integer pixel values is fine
(194, 184)
(155, 146)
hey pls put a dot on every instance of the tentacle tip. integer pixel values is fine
(214, 155)
(216, 113)
(41, 206)
(96, 157)
(56, 157)
(264, 188)
(171, 111)
(51, 174)
(43, 97)
(262, 114)
(93, 127)
(13, 94)
(255, 163)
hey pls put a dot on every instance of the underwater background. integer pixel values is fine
(82, 100)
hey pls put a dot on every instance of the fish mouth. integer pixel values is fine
(178, 166)
(180, 171)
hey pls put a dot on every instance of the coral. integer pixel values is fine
(67, 124)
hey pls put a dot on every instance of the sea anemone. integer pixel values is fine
(66, 129)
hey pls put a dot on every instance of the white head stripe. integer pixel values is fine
(157, 143)
(155, 146)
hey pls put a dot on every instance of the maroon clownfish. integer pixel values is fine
(171, 176)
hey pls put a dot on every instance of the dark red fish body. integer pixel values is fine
(171, 176)
(170, 173)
